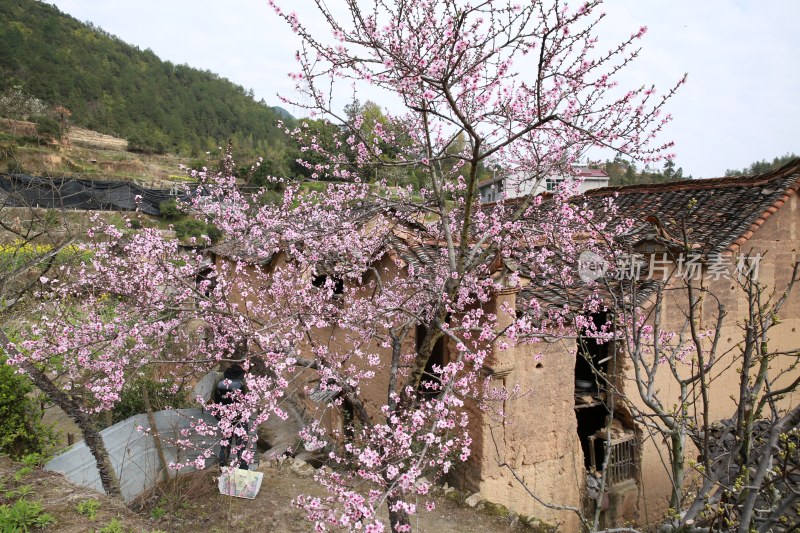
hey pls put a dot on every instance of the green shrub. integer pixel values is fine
(213, 232)
(151, 143)
(169, 210)
(160, 394)
(23, 516)
(48, 128)
(21, 429)
(191, 227)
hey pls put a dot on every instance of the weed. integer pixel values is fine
(22, 472)
(22, 491)
(24, 516)
(34, 459)
(115, 526)
(158, 513)
(88, 508)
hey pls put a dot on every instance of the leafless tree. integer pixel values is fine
(738, 473)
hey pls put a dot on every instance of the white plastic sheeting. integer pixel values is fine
(133, 453)
(206, 387)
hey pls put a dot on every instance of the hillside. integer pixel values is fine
(84, 154)
(117, 89)
(70, 508)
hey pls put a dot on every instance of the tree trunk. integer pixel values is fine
(397, 518)
(91, 436)
(677, 469)
(163, 464)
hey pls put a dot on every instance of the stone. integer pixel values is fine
(474, 500)
(302, 468)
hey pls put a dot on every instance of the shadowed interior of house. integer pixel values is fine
(596, 430)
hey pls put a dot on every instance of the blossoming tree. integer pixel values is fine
(343, 295)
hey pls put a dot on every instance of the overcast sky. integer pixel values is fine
(741, 104)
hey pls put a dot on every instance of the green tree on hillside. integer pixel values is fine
(21, 429)
(622, 172)
(759, 167)
(118, 89)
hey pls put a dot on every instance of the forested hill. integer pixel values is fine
(113, 87)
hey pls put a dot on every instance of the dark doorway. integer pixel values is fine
(591, 371)
(591, 361)
(348, 420)
(431, 382)
(591, 419)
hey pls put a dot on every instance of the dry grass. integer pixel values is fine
(92, 139)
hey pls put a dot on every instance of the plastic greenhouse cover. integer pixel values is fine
(133, 453)
(22, 190)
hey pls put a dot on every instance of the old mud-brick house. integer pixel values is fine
(552, 441)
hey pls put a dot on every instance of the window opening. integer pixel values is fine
(553, 183)
(622, 459)
(591, 420)
(321, 280)
(431, 382)
(591, 361)
(205, 280)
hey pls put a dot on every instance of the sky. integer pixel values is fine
(741, 103)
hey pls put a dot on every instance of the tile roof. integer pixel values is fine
(237, 252)
(251, 249)
(586, 172)
(573, 298)
(720, 214)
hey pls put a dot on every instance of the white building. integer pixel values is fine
(514, 186)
